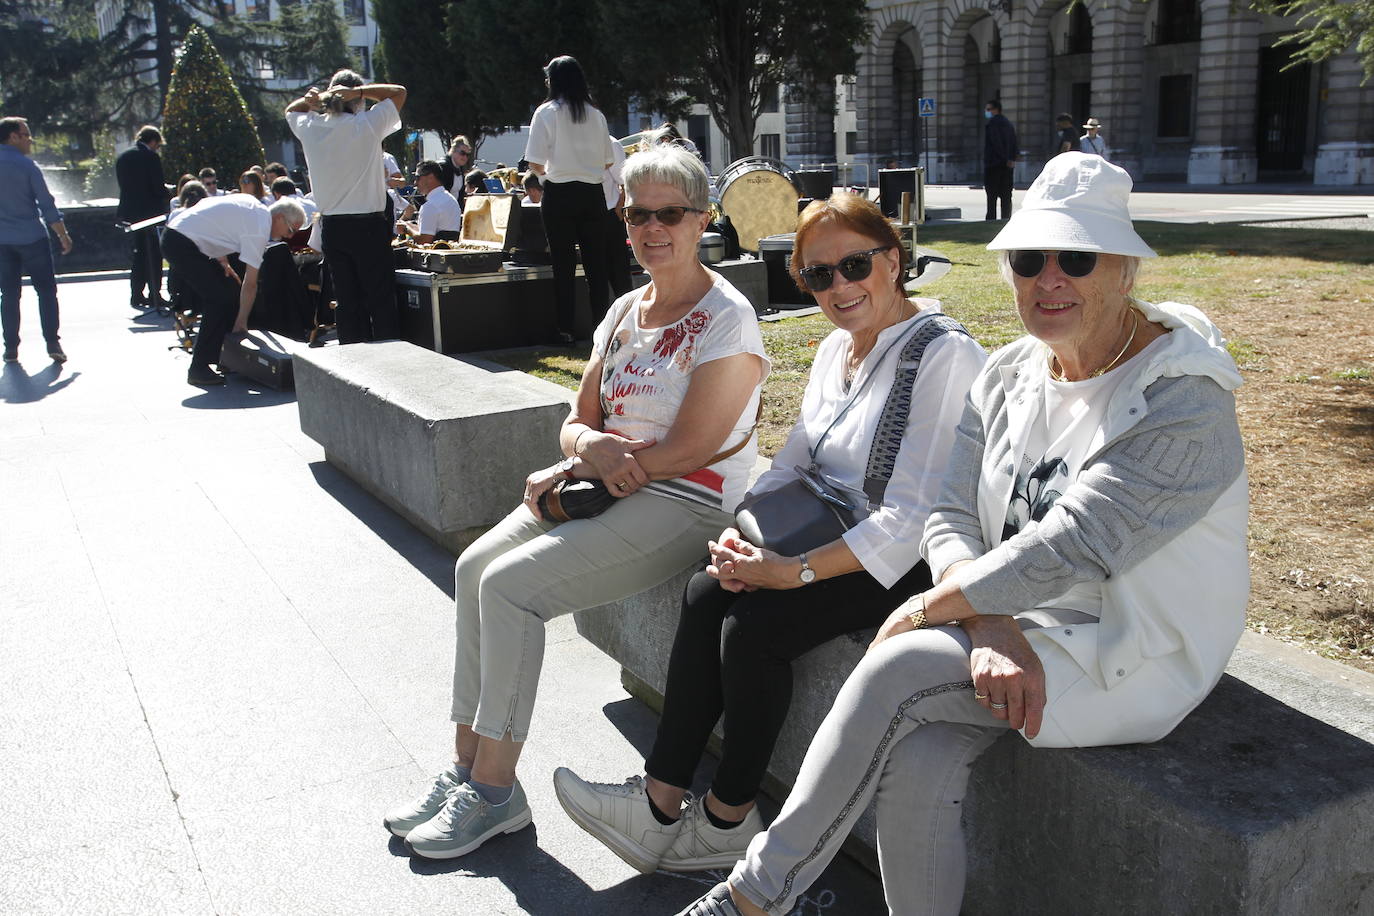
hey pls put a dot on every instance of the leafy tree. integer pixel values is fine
(734, 53)
(414, 50)
(206, 120)
(1327, 28)
(506, 43)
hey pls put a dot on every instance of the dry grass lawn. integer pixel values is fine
(1297, 306)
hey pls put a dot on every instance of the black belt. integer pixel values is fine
(380, 214)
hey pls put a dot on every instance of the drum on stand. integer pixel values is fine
(760, 197)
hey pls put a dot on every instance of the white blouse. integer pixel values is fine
(569, 151)
(887, 542)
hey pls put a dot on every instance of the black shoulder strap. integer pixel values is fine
(891, 429)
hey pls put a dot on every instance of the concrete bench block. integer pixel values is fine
(1261, 802)
(444, 442)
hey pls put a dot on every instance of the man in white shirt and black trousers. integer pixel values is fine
(343, 148)
(440, 212)
(197, 244)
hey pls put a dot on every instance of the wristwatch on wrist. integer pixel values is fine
(565, 468)
(807, 574)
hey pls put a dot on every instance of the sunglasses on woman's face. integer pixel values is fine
(668, 216)
(854, 267)
(1074, 264)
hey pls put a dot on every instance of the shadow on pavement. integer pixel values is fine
(17, 386)
(237, 393)
(432, 561)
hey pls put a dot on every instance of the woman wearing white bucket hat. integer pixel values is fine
(1091, 548)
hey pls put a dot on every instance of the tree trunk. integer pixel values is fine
(162, 32)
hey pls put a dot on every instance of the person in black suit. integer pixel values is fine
(143, 194)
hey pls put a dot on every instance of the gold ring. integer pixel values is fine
(980, 696)
(621, 486)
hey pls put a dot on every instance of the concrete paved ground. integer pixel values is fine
(220, 661)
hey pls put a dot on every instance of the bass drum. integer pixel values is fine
(760, 197)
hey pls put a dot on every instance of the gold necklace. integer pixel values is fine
(1059, 376)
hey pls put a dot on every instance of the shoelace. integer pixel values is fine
(461, 799)
(441, 787)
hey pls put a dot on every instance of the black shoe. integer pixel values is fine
(203, 377)
(11, 354)
(55, 353)
(138, 302)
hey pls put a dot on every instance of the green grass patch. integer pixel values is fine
(1354, 373)
(1209, 266)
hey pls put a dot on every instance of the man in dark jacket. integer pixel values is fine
(1000, 152)
(143, 194)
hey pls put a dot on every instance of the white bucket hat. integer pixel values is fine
(1079, 202)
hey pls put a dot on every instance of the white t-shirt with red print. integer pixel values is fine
(647, 371)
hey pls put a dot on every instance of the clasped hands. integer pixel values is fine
(607, 457)
(740, 566)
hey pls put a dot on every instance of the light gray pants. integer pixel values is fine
(525, 572)
(904, 729)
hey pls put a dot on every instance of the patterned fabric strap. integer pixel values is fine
(891, 428)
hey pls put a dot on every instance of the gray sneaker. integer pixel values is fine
(405, 818)
(716, 902)
(701, 845)
(618, 816)
(466, 821)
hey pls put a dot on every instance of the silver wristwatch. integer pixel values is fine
(807, 574)
(565, 467)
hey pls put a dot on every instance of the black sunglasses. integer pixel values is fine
(1074, 264)
(668, 216)
(854, 267)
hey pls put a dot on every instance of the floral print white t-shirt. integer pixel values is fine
(647, 371)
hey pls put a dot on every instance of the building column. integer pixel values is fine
(1024, 84)
(1345, 153)
(1224, 149)
(810, 128)
(1117, 75)
(942, 57)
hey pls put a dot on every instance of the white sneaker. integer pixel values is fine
(618, 816)
(404, 818)
(701, 845)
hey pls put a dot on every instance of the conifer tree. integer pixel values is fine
(205, 120)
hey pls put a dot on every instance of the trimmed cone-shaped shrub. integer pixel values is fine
(205, 121)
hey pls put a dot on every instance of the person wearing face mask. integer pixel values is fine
(1000, 152)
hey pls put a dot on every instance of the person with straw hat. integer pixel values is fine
(1088, 548)
(1092, 141)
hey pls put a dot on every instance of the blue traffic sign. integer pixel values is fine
(926, 107)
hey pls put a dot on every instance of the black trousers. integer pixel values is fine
(146, 269)
(617, 255)
(217, 295)
(733, 654)
(358, 251)
(997, 185)
(575, 216)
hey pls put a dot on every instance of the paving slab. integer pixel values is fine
(221, 661)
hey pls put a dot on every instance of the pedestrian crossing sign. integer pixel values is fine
(926, 107)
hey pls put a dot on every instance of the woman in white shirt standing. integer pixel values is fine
(569, 149)
(752, 611)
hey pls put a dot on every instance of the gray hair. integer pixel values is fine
(342, 79)
(291, 210)
(1130, 266)
(671, 165)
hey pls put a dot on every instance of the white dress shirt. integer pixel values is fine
(221, 226)
(440, 213)
(342, 152)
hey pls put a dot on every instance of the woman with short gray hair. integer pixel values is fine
(664, 421)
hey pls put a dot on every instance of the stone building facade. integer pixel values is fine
(1189, 90)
